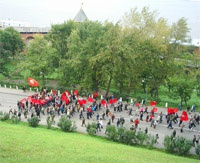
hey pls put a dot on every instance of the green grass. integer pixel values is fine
(21, 143)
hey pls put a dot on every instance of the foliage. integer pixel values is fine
(183, 145)
(40, 59)
(34, 121)
(49, 122)
(151, 141)
(66, 124)
(170, 143)
(182, 87)
(4, 117)
(197, 150)
(91, 128)
(177, 144)
(141, 137)
(111, 132)
(15, 119)
(12, 41)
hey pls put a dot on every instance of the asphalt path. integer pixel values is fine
(9, 97)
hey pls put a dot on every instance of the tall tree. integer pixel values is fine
(13, 41)
(59, 35)
(40, 57)
(3, 54)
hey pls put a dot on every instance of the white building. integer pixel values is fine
(12, 23)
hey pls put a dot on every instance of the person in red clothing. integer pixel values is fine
(136, 122)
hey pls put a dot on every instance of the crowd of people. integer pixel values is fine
(98, 112)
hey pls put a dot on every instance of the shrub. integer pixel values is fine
(183, 145)
(151, 140)
(169, 143)
(197, 150)
(34, 121)
(129, 137)
(49, 122)
(66, 124)
(141, 137)
(120, 134)
(179, 144)
(15, 119)
(4, 117)
(111, 132)
(91, 128)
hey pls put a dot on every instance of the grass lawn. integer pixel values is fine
(21, 143)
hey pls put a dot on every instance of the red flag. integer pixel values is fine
(67, 92)
(53, 91)
(95, 94)
(66, 100)
(154, 109)
(115, 100)
(111, 101)
(103, 102)
(32, 82)
(90, 99)
(63, 96)
(175, 110)
(84, 101)
(76, 92)
(137, 104)
(24, 99)
(89, 109)
(153, 102)
(184, 116)
(34, 100)
(170, 110)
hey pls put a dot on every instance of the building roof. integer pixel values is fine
(30, 29)
(81, 16)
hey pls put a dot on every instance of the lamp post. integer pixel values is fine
(143, 81)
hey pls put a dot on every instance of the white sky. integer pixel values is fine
(43, 13)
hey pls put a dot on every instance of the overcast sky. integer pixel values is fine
(43, 13)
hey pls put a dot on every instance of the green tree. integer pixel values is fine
(3, 54)
(59, 35)
(13, 41)
(182, 87)
(39, 59)
(109, 55)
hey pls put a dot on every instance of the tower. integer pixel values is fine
(80, 16)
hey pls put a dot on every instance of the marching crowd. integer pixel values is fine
(48, 103)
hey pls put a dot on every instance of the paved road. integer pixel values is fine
(9, 97)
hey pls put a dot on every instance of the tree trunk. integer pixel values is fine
(129, 90)
(152, 90)
(96, 86)
(121, 87)
(109, 86)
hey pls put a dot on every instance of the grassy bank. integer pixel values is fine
(21, 143)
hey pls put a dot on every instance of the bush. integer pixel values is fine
(66, 124)
(49, 122)
(15, 119)
(4, 116)
(129, 137)
(120, 134)
(141, 137)
(91, 128)
(197, 150)
(169, 143)
(111, 132)
(151, 141)
(183, 145)
(179, 144)
(34, 121)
